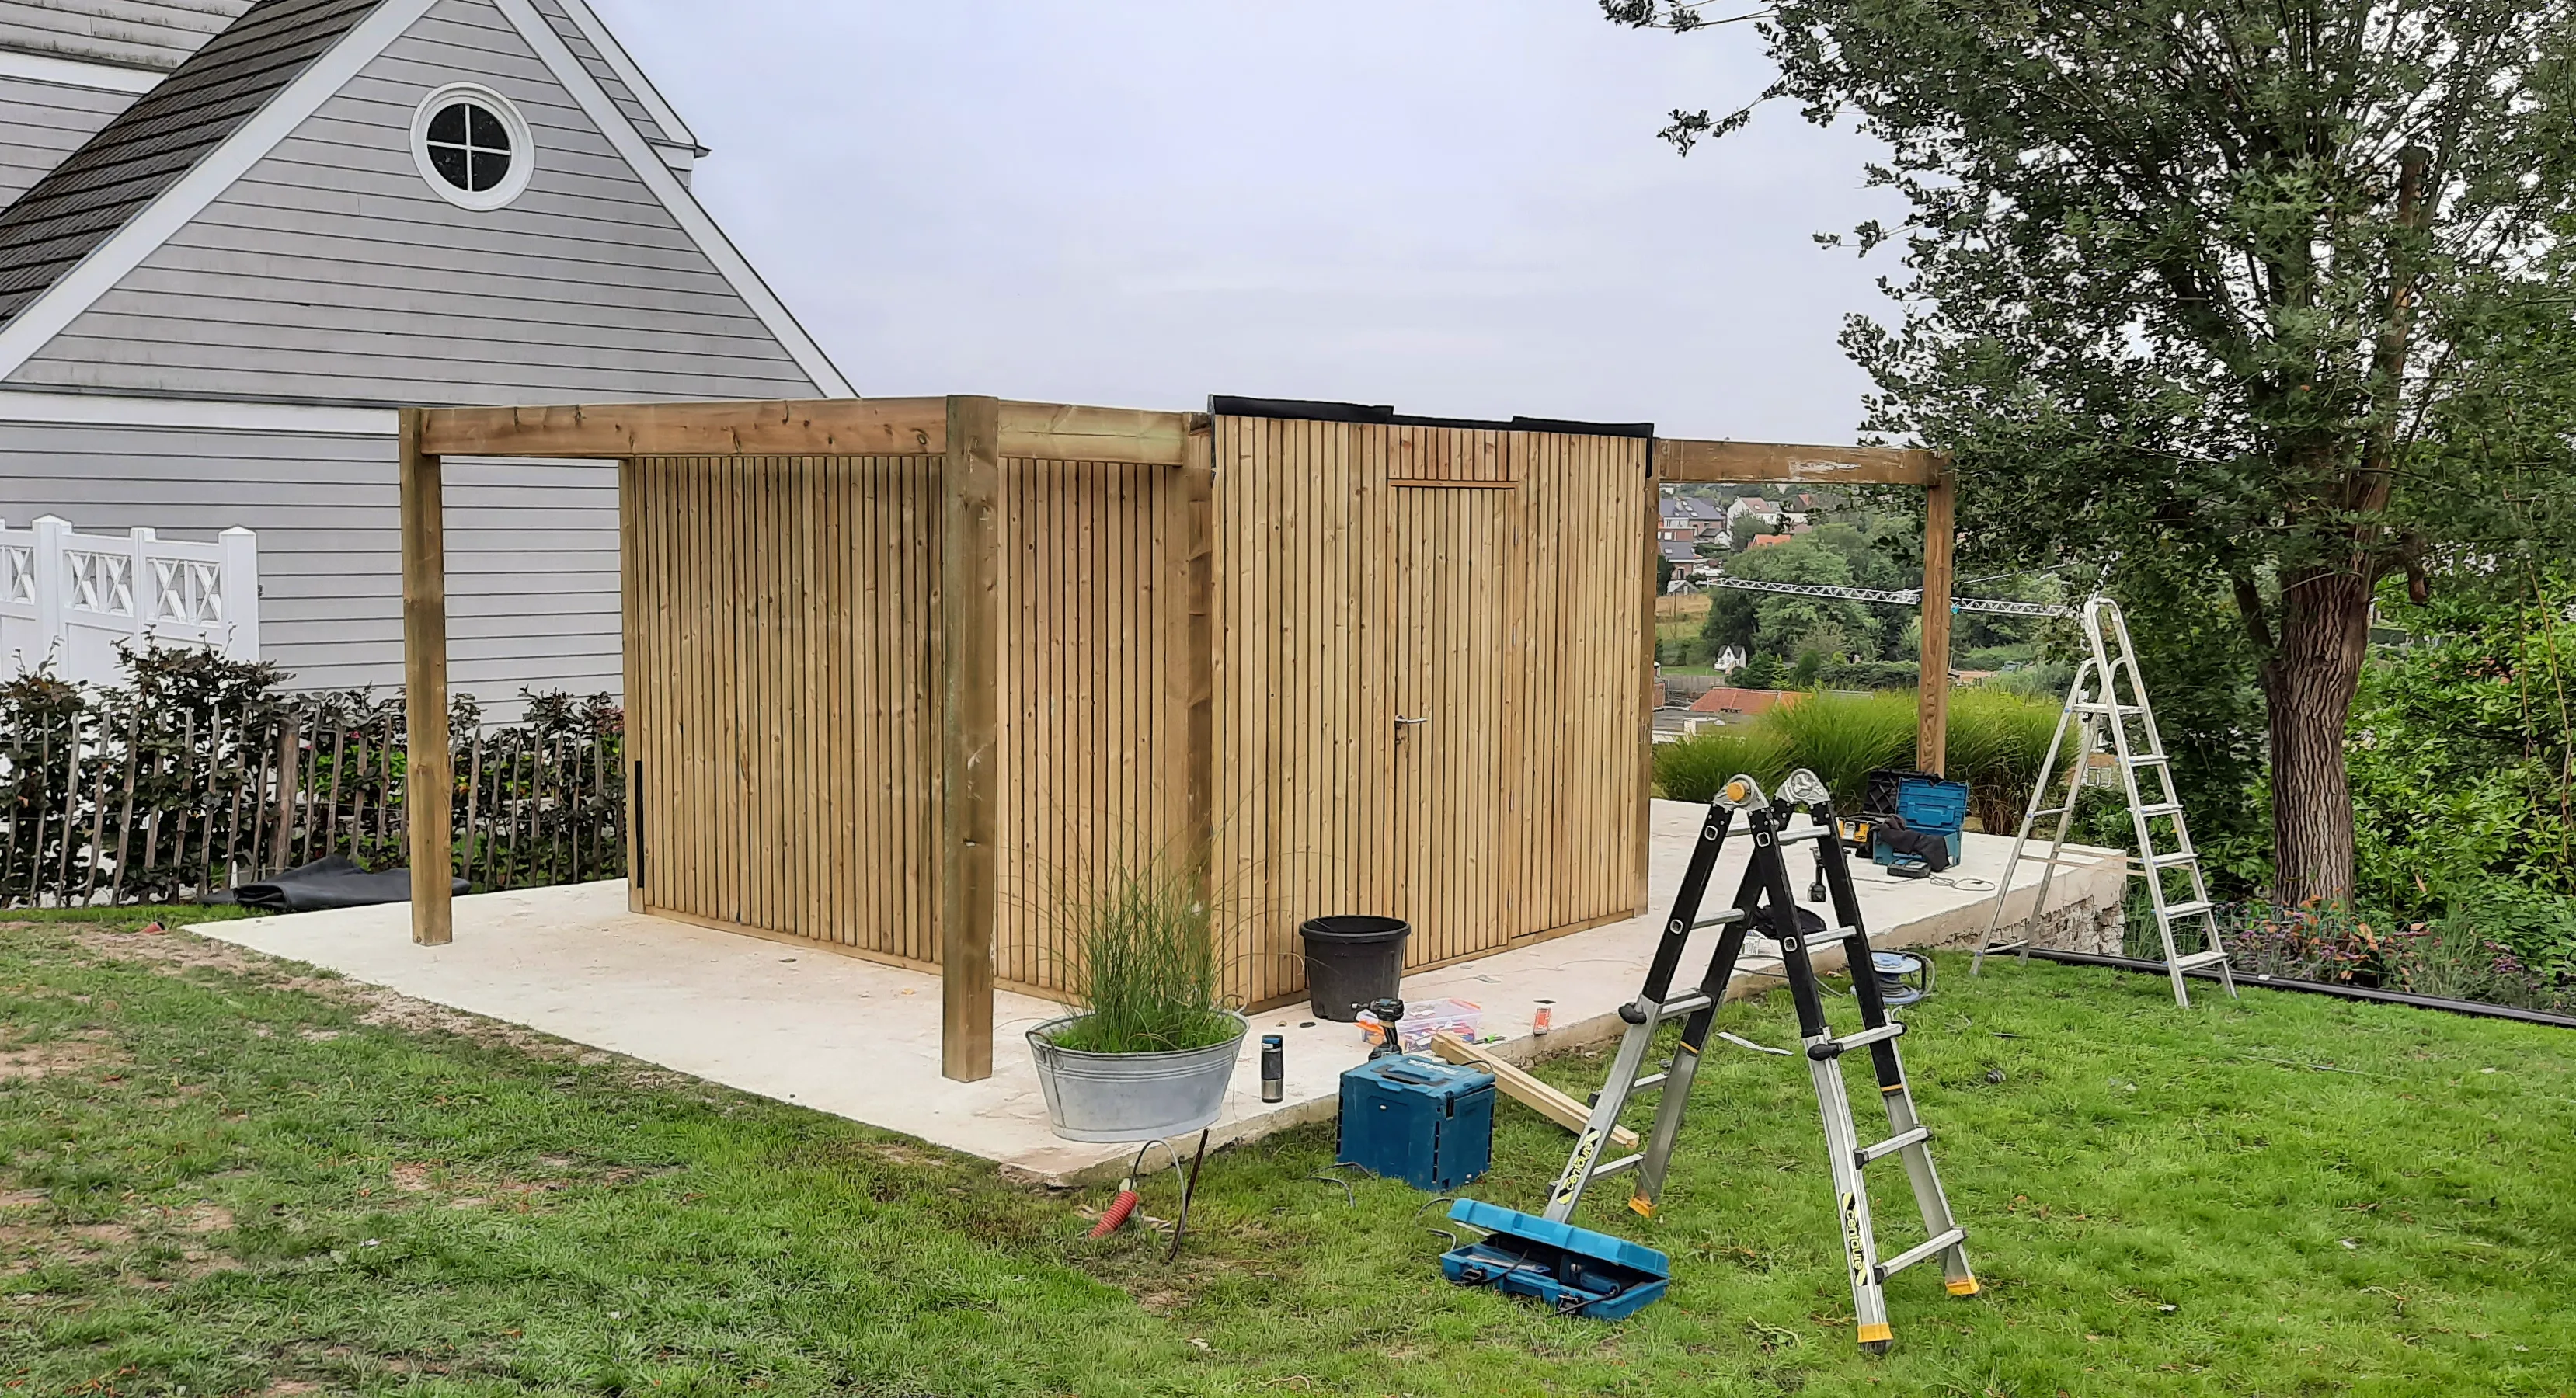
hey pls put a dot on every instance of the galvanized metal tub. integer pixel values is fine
(1133, 1096)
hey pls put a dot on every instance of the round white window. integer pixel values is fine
(472, 146)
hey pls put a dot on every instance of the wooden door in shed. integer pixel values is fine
(1454, 514)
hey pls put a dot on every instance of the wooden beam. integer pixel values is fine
(1528, 1091)
(1060, 432)
(970, 544)
(1754, 463)
(820, 427)
(429, 779)
(1940, 534)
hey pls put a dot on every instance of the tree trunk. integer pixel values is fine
(2308, 688)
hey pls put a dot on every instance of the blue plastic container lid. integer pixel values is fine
(1411, 1072)
(1583, 1242)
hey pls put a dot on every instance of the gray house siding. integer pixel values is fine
(330, 272)
(532, 546)
(133, 33)
(41, 122)
(598, 66)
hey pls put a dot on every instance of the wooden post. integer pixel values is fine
(1646, 674)
(970, 545)
(1940, 532)
(1198, 507)
(429, 779)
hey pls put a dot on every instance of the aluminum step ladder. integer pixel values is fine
(1764, 900)
(2107, 708)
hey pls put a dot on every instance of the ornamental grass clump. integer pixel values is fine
(1149, 976)
(1693, 768)
(1842, 738)
(1997, 742)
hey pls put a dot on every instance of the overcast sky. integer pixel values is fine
(1455, 206)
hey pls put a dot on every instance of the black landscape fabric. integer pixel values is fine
(333, 882)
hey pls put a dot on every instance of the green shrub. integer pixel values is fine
(1149, 977)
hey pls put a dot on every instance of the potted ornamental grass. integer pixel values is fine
(1150, 1048)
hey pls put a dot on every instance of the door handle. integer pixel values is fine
(1402, 723)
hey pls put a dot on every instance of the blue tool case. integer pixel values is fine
(1923, 803)
(1416, 1119)
(1572, 1271)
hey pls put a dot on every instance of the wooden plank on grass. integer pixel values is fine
(1528, 1091)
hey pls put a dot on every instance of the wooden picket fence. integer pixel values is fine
(121, 801)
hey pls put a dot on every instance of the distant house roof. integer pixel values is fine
(1728, 700)
(1755, 504)
(152, 144)
(1764, 541)
(1690, 507)
(1675, 552)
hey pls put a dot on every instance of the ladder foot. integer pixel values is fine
(1877, 1338)
(1964, 1286)
(1641, 1206)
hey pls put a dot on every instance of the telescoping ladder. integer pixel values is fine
(1764, 901)
(2107, 707)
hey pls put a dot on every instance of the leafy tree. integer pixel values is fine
(1786, 625)
(2244, 294)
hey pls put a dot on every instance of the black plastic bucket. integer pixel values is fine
(1352, 960)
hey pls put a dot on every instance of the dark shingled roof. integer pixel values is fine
(152, 144)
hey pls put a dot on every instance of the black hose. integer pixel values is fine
(2341, 992)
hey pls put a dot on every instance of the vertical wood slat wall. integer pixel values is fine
(784, 707)
(1486, 580)
(784, 702)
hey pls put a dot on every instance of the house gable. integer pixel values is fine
(329, 271)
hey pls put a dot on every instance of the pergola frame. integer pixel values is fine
(974, 435)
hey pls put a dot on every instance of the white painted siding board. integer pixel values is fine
(532, 546)
(40, 123)
(134, 33)
(345, 180)
(477, 259)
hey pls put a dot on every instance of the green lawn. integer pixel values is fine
(225, 1176)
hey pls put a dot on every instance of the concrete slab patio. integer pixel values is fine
(860, 1039)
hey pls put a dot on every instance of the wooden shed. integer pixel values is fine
(898, 671)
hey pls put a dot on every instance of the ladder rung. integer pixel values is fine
(1799, 837)
(2148, 759)
(1891, 1145)
(1836, 1048)
(1649, 1082)
(2109, 709)
(1719, 919)
(2161, 808)
(1620, 1166)
(2168, 861)
(1681, 1005)
(2193, 908)
(1915, 1254)
(2004, 946)
(2053, 810)
(2199, 959)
